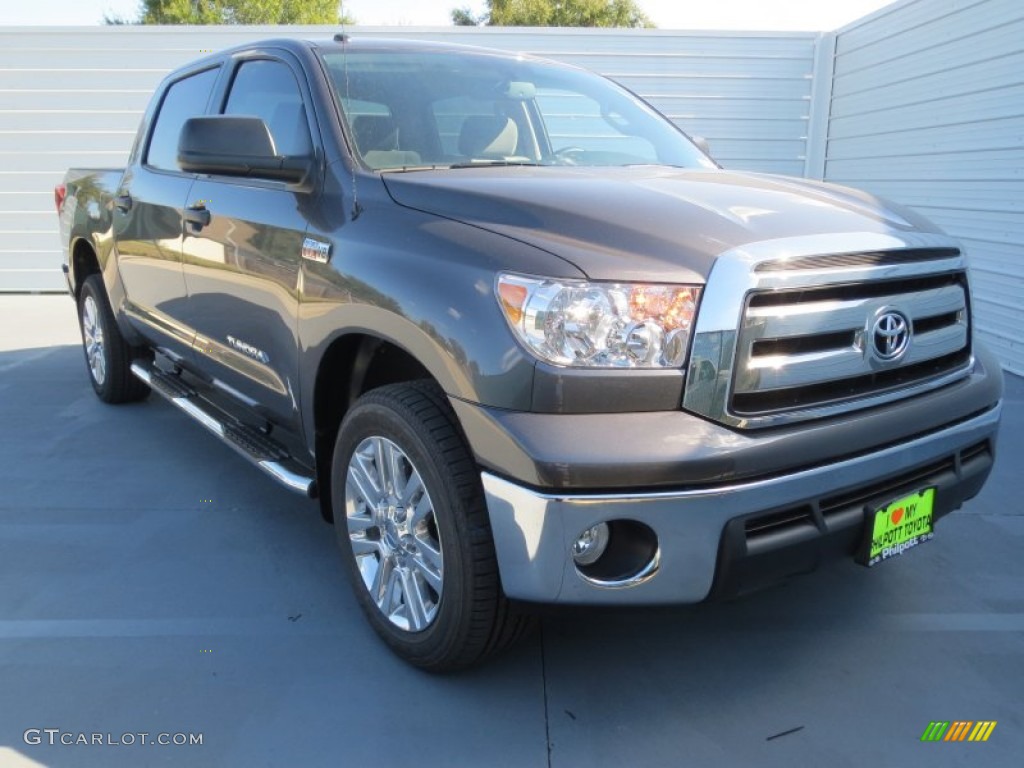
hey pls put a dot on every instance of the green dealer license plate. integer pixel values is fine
(899, 526)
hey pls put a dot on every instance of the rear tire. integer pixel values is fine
(412, 525)
(108, 357)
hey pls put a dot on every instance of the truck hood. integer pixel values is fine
(645, 222)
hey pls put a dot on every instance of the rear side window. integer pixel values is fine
(184, 99)
(268, 89)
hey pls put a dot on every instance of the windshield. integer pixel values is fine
(408, 110)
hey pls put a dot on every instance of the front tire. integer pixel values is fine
(108, 357)
(412, 525)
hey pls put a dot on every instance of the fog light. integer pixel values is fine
(590, 545)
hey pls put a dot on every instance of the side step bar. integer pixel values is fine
(261, 450)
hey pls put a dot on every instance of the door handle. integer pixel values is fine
(123, 202)
(197, 216)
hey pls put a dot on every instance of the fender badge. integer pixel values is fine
(248, 350)
(314, 250)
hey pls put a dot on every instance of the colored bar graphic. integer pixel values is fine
(958, 730)
(982, 730)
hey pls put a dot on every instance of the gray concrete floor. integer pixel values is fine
(151, 581)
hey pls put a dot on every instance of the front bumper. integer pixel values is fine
(704, 539)
(669, 450)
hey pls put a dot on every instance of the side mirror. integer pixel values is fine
(236, 145)
(702, 144)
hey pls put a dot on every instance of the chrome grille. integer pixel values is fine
(810, 339)
(819, 338)
(823, 261)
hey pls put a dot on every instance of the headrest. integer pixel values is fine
(484, 135)
(375, 132)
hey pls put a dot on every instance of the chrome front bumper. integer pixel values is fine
(534, 531)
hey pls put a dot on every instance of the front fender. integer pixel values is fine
(426, 285)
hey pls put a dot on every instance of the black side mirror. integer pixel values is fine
(236, 145)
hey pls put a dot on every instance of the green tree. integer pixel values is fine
(237, 12)
(558, 13)
(463, 17)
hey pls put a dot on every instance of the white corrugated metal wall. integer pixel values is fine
(927, 108)
(73, 96)
(922, 102)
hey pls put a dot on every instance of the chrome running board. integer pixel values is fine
(261, 450)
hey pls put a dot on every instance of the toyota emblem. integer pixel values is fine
(890, 335)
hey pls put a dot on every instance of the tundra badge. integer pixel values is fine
(249, 350)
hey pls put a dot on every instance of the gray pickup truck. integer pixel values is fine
(522, 338)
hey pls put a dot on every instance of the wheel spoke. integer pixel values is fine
(392, 597)
(396, 476)
(361, 545)
(359, 523)
(415, 609)
(360, 477)
(412, 487)
(422, 509)
(429, 553)
(382, 579)
(433, 578)
(380, 459)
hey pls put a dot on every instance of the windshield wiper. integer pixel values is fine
(445, 167)
(494, 163)
(404, 168)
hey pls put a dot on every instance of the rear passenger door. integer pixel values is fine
(148, 217)
(242, 254)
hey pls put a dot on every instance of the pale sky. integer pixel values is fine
(810, 15)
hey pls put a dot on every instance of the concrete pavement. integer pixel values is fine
(153, 582)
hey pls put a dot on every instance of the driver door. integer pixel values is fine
(242, 250)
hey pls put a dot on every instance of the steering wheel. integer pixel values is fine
(568, 155)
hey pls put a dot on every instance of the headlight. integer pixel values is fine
(600, 325)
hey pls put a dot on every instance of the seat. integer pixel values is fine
(486, 136)
(375, 132)
(377, 140)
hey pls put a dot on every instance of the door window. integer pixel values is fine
(268, 89)
(184, 99)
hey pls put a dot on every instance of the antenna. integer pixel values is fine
(343, 38)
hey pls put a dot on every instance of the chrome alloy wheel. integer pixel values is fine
(92, 333)
(393, 533)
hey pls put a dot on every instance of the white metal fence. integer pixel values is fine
(927, 108)
(922, 102)
(73, 96)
